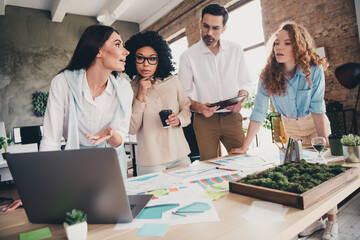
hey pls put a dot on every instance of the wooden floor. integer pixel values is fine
(348, 220)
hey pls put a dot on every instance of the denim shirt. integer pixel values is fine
(300, 98)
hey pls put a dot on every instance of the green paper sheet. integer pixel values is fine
(222, 186)
(159, 192)
(36, 234)
(155, 212)
(153, 230)
(211, 194)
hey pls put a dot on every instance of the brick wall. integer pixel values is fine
(332, 23)
(185, 18)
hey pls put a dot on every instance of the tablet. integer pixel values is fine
(228, 102)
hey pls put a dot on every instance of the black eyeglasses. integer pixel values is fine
(151, 60)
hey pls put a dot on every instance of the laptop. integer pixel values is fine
(55, 182)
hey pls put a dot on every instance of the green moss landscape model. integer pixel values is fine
(296, 177)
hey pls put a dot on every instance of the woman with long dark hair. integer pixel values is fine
(89, 102)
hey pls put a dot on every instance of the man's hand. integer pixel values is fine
(101, 136)
(208, 111)
(234, 108)
(144, 85)
(237, 107)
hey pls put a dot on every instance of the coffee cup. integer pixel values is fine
(164, 114)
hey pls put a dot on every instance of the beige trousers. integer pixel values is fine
(302, 128)
(224, 127)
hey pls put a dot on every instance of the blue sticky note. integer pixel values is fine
(155, 212)
(195, 207)
(143, 178)
(153, 230)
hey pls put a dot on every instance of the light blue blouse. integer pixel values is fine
(299, 100)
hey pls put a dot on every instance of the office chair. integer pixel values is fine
(31, 134)
(4, 199)
(191, 139)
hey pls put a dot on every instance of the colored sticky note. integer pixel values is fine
(194, 207)
(153, 230)
(36, 234)
(143, 178)
(222, 186)
(211, 194)
(173, 189)
(158, 192)
(155, 212)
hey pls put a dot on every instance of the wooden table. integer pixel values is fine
(231, 225)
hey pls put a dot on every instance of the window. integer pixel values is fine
(245, 28)
(178, 45)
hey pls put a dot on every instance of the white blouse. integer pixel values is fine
(97, 114)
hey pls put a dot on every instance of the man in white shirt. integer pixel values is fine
(214, 70)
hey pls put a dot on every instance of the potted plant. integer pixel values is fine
(4, 143)
(351, 148)
(75, 225)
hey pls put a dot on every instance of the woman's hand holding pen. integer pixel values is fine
(144, 85)
(173, 120)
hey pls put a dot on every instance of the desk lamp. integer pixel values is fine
(348, 75)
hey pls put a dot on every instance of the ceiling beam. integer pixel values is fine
(59, 9)
(119, 7)
(2, 6)
(159, 14)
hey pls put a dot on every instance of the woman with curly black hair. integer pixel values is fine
(149, 66)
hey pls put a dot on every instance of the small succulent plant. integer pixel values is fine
(75, 216)
(350, 140)
(4, 143)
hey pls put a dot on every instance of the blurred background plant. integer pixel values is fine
(39, 100)
(334, 112)
(249, 103)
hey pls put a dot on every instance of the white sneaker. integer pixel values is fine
(331, 231)
(317, 225)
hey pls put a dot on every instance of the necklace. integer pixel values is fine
(291, 75)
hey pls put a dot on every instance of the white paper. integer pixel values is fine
(264, 214)
(183, 197)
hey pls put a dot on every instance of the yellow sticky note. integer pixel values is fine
(211, 194)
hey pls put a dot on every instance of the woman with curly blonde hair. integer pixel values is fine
(294, 79)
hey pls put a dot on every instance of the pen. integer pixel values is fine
(282, 142)
(278, 145)
(228, 169)
(189, 211)
(287, 149)
(175, 213)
